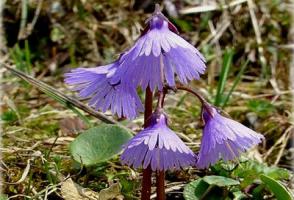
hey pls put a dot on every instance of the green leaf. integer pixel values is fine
(250, 171)
(99, 144)
(237, 79)
(277, 173)
(227, 62)
(220, 181)
(195, 189)
(199, 189)
(280, 191)
(262, 107)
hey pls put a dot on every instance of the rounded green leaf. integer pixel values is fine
(99, 144)
(220, 181)
(280, 191)
(195, 189)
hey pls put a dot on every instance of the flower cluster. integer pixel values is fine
(156, 58)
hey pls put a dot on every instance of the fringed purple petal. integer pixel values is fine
(224, 138)
(159, 147)
(157, 56)
(95, 84)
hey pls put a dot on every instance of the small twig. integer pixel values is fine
(220, 29)
(278, 142)
(24, 174)
(19, 195)
(208, 8)
(251, 6)
(286, 46)
(215, 40)
(36, 16)
(184, 137)
(288, 133)
(23, 21)
(26, 28)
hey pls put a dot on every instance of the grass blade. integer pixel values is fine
(227, 62)
(238, 78)
(62, 98)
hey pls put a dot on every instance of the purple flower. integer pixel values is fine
(223, 138)
(157, 146)
(95, 83)
(158, 55)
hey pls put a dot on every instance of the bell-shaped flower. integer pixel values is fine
(157, 146)
(158, 55)
(223, 138)
(95, 83)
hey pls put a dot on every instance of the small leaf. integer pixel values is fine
(277, 173)
(262, 107)
(195, 189)
(280, 191)
(250, 171)
(99, 144)
(220, 181)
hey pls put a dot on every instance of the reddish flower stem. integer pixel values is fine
(205, 104)
(146, 182)
(160, 191)
(194, 92)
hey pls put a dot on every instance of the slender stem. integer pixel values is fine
(160, 191)
(194, 92)
(148, 106)
(146, 182)
(161, 96)
(160, 174)
(205, 104)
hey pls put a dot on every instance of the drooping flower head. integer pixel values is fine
(95, 83)
(158, 55)
(157, 146)
(223, 138)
